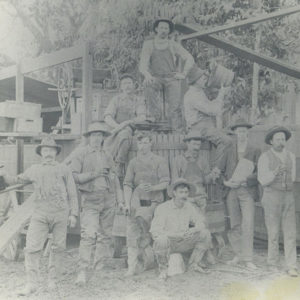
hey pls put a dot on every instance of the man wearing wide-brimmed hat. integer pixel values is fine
(178, 228)
(158, 65)
(55, 202)
(240, 199)
(147, 177)
(277, 173)
(122, 112)
(92, 170)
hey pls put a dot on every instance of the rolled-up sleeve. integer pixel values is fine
(72, 193)
(185, 55)
(145, 57)
(129, 177)
(163, 171)
(264, 175)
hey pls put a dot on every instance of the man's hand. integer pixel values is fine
(72, 221)
(146, 187)
(179, 76)
(280, 170)
(127, 210)
(149, 79)
(232, 184)
(215, 173)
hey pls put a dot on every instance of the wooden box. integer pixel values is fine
(28, 125)
(13, 109)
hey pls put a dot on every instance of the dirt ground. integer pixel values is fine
(223, 282)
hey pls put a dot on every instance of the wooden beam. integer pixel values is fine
(87, 81)
(51, 109)
(246, 53)
(52, 59)
(19, 85)
(264, 17)
(8, 72)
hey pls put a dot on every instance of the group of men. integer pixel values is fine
(159, 226)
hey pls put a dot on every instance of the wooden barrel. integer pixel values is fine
(215, 217)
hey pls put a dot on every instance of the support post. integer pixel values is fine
(87, 82)
(19, 84)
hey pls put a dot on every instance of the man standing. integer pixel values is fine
(240, 200)
(56, 203)
(178, 228)
(122, 112)
(200, 115)
(92, 170)
(276, 173)
(147, 176)
(158, 65)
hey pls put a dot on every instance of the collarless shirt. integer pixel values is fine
(171, 220)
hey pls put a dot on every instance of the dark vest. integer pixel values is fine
(282, 182)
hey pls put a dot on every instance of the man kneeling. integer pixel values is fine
(178, 228)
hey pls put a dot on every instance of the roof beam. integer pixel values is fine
(249, 54)
(195, 31)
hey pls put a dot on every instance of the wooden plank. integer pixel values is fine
(11, 228)
(195, 31)
(87, 81)
(8, 72)
(52, 59)
(51, 109)
(19, 85)
(246, 53)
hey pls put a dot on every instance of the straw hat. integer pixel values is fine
(178, 182)
(98, 127)
(192, 135)
(47, 142)
(240, 123)
(275, 129)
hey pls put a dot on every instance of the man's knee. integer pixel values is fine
(161, 243)
(203, 237)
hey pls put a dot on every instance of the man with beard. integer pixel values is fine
(158, 65)
(56, 203)
(123, 111)
(147, 176)
(92, 169)
(277, 173)
(178, 228)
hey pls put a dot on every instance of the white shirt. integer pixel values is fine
(264, 175)
(170, 220)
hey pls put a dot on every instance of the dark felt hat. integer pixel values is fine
(98, 127)
(47, 141)
(275, 129)
(240, 123)
(127, 75)
(171, 24)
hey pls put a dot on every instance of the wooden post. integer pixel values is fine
(19, 84)
(87, 82)
(255, 80)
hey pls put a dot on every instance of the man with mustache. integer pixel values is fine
(147, 176)
(277, 173)
(178, 228)
(123, 111)
(56, 204)
(158, 65)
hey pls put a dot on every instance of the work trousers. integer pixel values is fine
(96, 229)
(225, 152)
(41, 223)
(198, 242)
(140, 253)
(170, 88)
(279, 207)
(240, 207)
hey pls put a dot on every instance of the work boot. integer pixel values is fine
(234, 262)
(29, 289)
(292, 272)
(81, 278)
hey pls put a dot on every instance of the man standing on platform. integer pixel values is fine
(277, 173)
(240, 200)
(92, 169)
(158, 65)
(147, 176)
(178, 228)
(121, 113)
